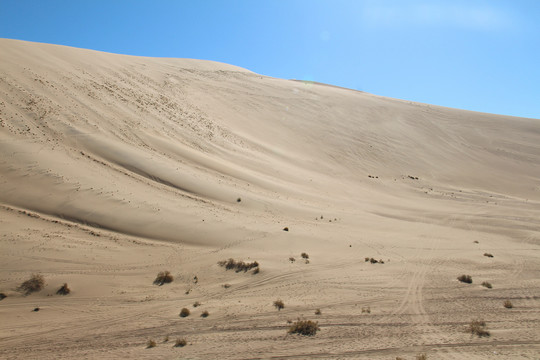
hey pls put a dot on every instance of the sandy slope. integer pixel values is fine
(113, 168)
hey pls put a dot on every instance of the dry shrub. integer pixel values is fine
(304, 327)
(366, 259)
(64, 290)
(421, 357)
(226, 286)
(487, 284)
(150, 344)
(205, 314)
(238, 266)
(257, 270)
(166, 339)
(34, 284)
(305, 255)
(197, 303)
(488, 255)
(508, 304)
(478, 327)
(2, 296)
(180, 342)
(163, 277)
(184, 312)
(318, 312)
(279, 304)
(366, 310)
(373, 261)
(291, 259)
(465, 278)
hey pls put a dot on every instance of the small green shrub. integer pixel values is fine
(304, 327)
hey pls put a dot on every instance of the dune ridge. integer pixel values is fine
(115, 167)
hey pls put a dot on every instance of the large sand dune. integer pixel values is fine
(115, 167)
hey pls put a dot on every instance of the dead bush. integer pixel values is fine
(238, 266)
(64, 290)
(421, 357)
(180, 342)
(196, 304)
(465, 278)
(291, 259)
(163, 277)
(34, 284)
(279, 304)
(150, 344)
(487, 284)
(184, 312)
(305, 256)
(304, 327)
(488, 255)
(508, 304)
(318, 312)
(479, 328)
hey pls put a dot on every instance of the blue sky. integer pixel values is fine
(469, 54)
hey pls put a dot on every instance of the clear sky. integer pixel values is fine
(470, 54)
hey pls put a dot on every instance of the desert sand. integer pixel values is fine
(114, 168)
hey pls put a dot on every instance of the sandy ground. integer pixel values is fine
(114, 168)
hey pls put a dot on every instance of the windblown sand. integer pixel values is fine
(114, 168)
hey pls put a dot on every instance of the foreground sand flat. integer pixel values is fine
(114, 168)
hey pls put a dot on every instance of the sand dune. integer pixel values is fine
(116, 167)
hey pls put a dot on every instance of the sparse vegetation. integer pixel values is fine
(304, 327)
(205, 314)
(291, 259)
(184, 312)
(508, 304)
(150, 344)
(479, 328)
(318, 312)
(488, 255)
(64, 290)
(279, 304)
(196, 303)
(487, 284)
(465, 278)
(305, 256)
(180, 342)
(163, 277)
(238, 265)
(34, 284)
